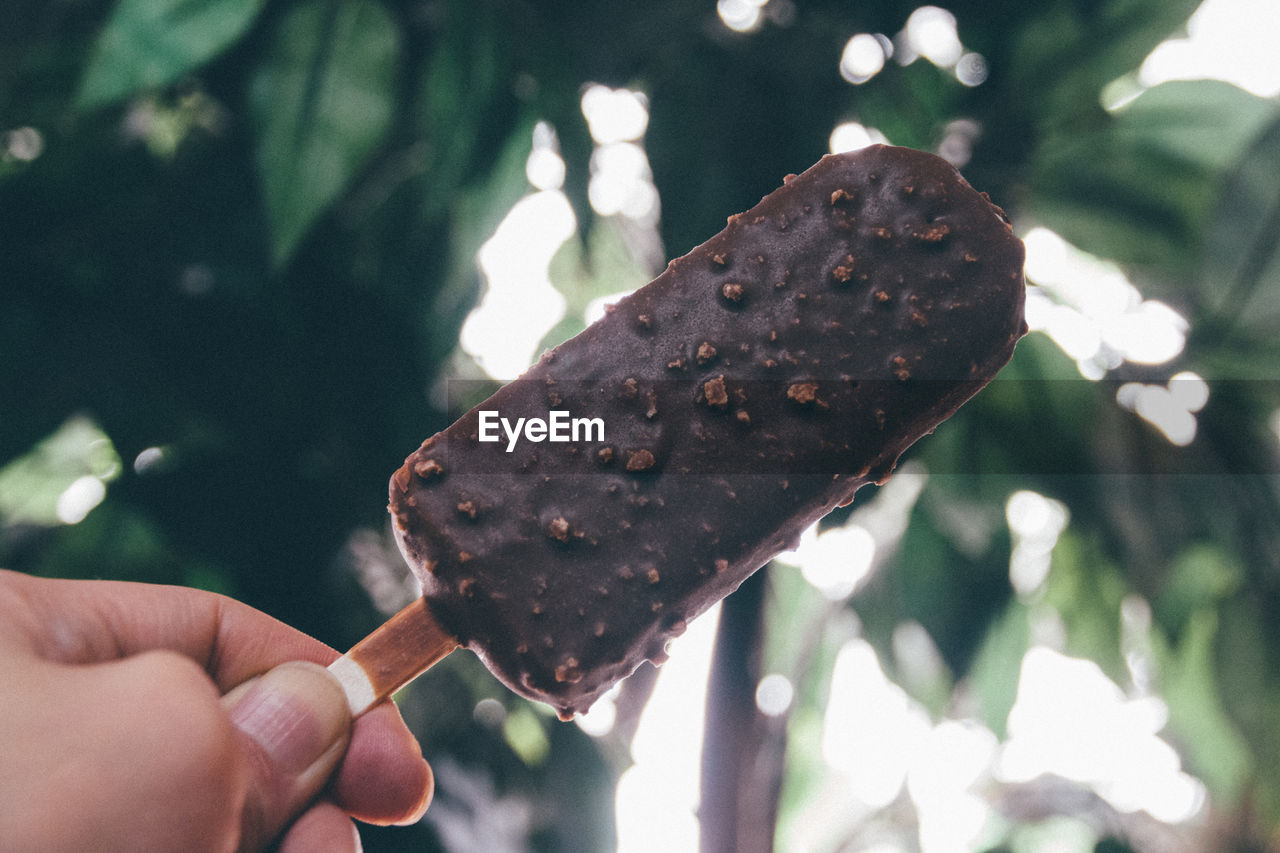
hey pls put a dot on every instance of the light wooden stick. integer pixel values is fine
(397, 652)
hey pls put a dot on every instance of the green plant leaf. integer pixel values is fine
(1198, 721)
(477, 211)
(460, 88)
(1139, 189)
(147, 44)
(31, 486)
(1087, 590)
(1065, 56)
(598, 266)
(1247, 670)
(1204, 123)
(997, 666)
(950, 574)
(1241, 263)
(321, 102)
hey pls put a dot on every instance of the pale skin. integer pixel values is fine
(132, 717)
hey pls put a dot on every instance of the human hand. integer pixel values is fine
(133, 717)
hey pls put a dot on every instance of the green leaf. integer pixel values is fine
(1198, 721)
(1203, 123)
(321, 101)
(997, 666)
(477, 211)
(524, 733)
(1198, 578)
(1086, 590)
(32, 486)
(1065, 57)
(457, 95)
(1246, 666)
(1139, 188)
(147, 44)
(604, 266)
(951, 572)
(1241, 264)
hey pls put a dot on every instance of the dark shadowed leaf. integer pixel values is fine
(1242, 262)
(1066, 55)
(322, 100)
(951, 574)
(1138, 190)
(1248, 675)
(478, 210)
(152, 43)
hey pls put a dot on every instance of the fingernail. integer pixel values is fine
(296, 712)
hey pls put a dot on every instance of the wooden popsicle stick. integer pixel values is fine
(398, 651)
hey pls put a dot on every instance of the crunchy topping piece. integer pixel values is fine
(428, 469)
(714, 392)
(803, 392)
(900, 368)
(934, 233)
(640, 460)
(569, 672)
(843, 271)
(559, 529)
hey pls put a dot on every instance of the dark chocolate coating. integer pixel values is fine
(749, 389)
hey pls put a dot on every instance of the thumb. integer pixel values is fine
(295, 727)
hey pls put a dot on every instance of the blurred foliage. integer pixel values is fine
(237, 243)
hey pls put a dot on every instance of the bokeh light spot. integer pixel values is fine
(971, 69)
(741, 16)
(931, 33)
(23, 144)
(862, 58)
(850, 136)
(774, 694)
(614, 115)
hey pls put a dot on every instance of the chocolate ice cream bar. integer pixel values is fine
(753, 386)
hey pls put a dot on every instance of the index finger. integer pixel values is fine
(94, 621)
